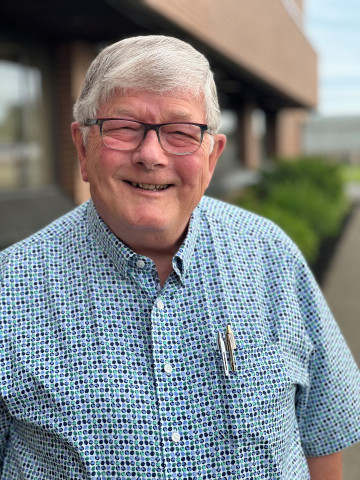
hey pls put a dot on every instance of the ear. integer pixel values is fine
(81, 150)
(219, 145)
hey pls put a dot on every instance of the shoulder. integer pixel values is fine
(59, 235)
(240, 226)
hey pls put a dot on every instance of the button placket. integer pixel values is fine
(164, 371)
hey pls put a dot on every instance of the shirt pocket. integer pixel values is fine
(258, 400)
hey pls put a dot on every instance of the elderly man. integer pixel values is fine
(154, 332)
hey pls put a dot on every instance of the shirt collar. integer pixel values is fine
(182, 259)
(122, 256)
(119, 253)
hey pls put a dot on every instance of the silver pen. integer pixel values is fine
(231, 346)
(222, 349)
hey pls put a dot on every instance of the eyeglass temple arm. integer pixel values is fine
(91, 121)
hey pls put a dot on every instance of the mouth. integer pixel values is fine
(149, 186)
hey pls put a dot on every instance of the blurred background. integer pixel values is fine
(288, 76)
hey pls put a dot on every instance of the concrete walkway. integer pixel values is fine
(341, 288)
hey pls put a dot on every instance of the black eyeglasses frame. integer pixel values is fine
(148, 126)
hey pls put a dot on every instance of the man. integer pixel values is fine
(157, 333)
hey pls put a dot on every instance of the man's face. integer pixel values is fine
(120, 180)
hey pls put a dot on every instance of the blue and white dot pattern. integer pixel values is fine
(104, 375)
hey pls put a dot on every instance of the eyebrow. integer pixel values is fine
(182, 115)
(122, 113)
(176, 116)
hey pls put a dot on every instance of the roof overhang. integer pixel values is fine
(105, 21)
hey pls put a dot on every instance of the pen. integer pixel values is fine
(231, 346)
(222, 349)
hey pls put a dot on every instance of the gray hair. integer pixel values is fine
(152, 63)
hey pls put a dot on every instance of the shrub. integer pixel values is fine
(304, 197)
(326, 176)
(306, 201)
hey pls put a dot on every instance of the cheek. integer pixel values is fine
(195, 172)
(98, 168)
(104, 162)
(200, 178)
(105, 157)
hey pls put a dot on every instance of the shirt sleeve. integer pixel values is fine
(5, 421)
(5, 418)
(330, 419)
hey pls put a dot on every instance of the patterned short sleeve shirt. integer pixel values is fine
(105, 375)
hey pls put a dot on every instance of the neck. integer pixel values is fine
(160, 252)
(160, 246)
(163, 263)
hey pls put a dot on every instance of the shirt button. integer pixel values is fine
(175, 437)
(160, 304)
(140, 264)
(168, 368)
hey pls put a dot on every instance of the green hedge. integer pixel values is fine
(305, 197)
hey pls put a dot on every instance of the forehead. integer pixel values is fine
(145, 106)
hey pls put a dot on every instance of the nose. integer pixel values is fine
(150, 153)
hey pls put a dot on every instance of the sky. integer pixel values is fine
(333, 28)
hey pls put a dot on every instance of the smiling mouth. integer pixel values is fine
(149, 186)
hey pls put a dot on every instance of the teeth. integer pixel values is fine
(148, 186)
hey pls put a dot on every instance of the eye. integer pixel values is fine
(185, 131)
(121, 127)
(182, 134)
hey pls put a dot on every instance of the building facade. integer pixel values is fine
(265, 69)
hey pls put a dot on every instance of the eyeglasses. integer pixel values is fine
(177, 138)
